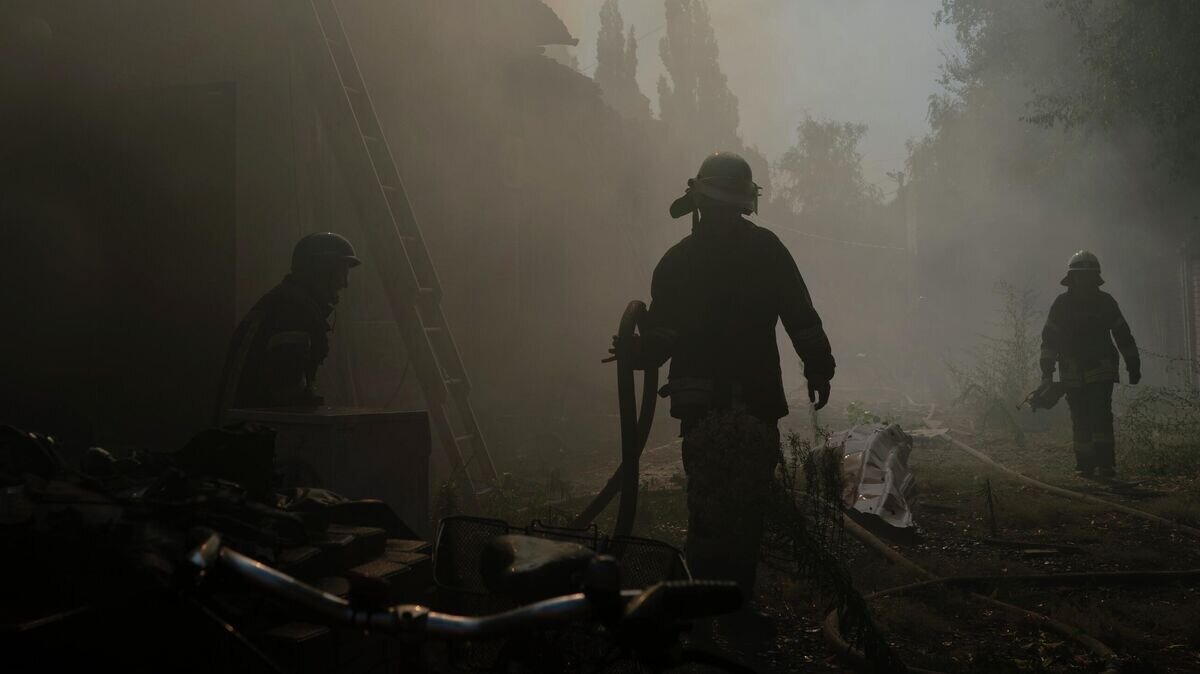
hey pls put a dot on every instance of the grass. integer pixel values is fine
(1182, 506)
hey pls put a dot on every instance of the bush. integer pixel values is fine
(1159, 429)
(1002, 369)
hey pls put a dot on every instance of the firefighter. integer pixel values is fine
(1078, 337)
(281, 343)
(716, 298)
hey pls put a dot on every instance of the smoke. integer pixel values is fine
(544, 210)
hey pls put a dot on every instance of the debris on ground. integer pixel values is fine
(875, 471)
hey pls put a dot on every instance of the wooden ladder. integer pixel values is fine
(396, 247)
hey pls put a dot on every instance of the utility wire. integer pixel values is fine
(640, 38)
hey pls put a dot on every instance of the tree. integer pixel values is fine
(694, 97)
(821, 175)
(1141, 67)
(616, 65)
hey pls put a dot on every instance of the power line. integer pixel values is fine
(639, 39)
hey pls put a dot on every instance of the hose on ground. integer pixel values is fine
(1067, 493)
(834, 639)
(1059, 491)
(830, 626)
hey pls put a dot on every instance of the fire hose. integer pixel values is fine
(832, 635)
(1102, 652)
(635, 429)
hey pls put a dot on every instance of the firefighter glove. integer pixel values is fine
(818, 393)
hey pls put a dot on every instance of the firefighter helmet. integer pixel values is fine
(322, 246)
(1082, 262)
(724, 177)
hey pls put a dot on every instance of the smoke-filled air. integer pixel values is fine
(600, 335)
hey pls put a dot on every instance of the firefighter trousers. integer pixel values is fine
(730, 459)
(1092, 426)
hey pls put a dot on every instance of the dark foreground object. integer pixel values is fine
(163, 563)
(98, 576)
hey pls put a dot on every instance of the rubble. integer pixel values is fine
(103, 558)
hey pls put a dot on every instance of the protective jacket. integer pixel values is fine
(716, 298)
(1078, 337)
(276, 351)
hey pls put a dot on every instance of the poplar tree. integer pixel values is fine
(694, 96)
(616, 65)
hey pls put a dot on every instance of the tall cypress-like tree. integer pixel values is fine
(616, 65)
(694, 96)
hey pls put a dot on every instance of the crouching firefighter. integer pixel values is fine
(716, 298)
(1080, 330)
(274, 356)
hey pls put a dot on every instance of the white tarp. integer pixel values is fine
(875, 473)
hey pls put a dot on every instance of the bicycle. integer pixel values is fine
(644, 625)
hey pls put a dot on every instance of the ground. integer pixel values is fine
(1153, 627)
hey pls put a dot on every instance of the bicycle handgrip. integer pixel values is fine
(685, 600)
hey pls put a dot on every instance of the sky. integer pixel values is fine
(869, 61)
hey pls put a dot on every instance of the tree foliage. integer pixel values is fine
(694, 96)
(821, 175)
(1104, 66)
(1142, 66)
(617, 63)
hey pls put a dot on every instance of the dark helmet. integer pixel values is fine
(1082, 262)
(725, 178)
(315, 248)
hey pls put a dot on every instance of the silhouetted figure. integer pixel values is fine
(1078, 337)
(716, 298)
(279, 346)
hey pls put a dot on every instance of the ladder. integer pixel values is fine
(396, 247)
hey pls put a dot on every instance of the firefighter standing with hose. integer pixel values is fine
(716, 298)
(1080, 330)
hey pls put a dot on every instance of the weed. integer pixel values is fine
(1160, 430)
(857, 413)
(990, 501)
(804, 538)
(1002, 369)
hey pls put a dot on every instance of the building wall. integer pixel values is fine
(540, 206)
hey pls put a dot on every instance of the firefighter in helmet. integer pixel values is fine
(716, 298)
(1078, 337)
(281, 343)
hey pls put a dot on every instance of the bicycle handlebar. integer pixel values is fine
(677, 600)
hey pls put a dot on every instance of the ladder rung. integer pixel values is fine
(417, 278)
